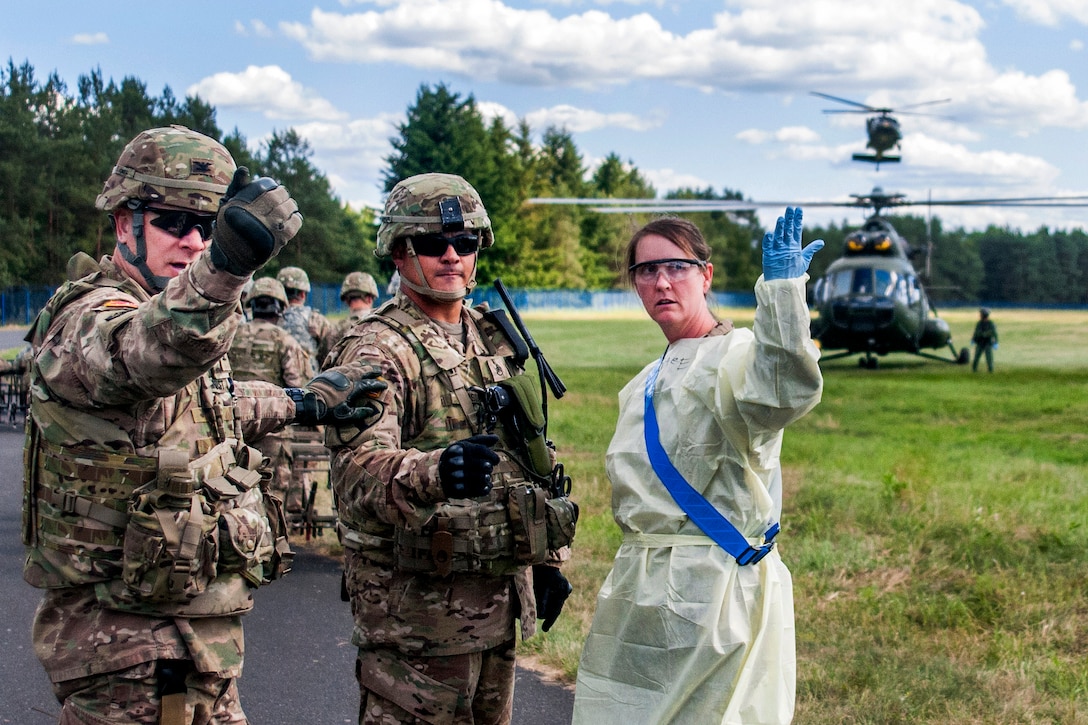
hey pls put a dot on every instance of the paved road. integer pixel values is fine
(299, 660)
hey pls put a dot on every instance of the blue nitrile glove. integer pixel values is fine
(783, 257)
(995, 345)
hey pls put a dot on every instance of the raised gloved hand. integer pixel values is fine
(783, 257)
(345, 395)
(551, 589)
(256, 218)
(465, 467)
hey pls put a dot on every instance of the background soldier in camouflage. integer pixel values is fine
(262, 350)
(311, 328)
(145, 516)
(359, 291)
(435, 626)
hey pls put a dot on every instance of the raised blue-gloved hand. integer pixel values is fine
(783, 257)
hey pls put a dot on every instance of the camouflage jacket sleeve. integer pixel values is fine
(262, 408)
(324, 332)
(374, 475)
(118, 345)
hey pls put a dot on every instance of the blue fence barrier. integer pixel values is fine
(19, 305)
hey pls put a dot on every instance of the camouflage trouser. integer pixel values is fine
(469, 689)
(131, 697)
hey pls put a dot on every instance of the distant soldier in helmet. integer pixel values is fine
(358, 292)
(262, 350)
(448, 476)
(145, 517)
(311, 328)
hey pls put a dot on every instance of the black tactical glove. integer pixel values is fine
(465, 467)
(345, 395)
(256, 218)
(551, 590)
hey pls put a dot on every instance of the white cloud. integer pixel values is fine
(90, 39)
(1050, 12)
(580, 120)
(256, 28)
(269, 90)
(754, 45)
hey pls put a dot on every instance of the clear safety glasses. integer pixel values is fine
(675, 270)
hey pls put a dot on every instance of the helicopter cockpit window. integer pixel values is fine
(862, 282)
(886, 280)
(913, 290)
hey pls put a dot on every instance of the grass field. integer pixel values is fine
(935, 521)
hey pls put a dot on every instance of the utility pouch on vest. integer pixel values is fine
(528, 523)
(171, 542)
(562, 518)
(463, 535)
(524, 420)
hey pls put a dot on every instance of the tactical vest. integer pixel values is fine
(255, 353)
(496, 534)
(155, 534)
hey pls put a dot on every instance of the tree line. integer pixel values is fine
(57, 145)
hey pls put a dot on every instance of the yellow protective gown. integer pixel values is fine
(682, 634)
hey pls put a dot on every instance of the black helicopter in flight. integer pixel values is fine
(883, 128)
(871, 301)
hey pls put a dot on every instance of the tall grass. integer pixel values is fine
(935, 521)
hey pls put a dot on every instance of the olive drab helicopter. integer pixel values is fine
(871, 301)
(883, 128)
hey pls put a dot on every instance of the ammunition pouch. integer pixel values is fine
(561, 515)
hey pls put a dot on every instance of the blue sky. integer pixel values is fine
(693, 92)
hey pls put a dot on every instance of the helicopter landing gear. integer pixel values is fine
(869, 362)
(964, 357)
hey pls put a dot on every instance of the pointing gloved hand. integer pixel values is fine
(255, 220)
(345, 395)
(465, 467)
(551, 589)
(783, 257)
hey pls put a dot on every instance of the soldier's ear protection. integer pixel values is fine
(449, 211)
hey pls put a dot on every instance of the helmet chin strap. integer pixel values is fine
(138, 260)
(430, 292)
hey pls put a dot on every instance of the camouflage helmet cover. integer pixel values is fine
(412, 208)
(294, 278)
(171, 167)
(267, 287)
(360, 283)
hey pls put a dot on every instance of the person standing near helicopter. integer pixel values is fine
(984, 340)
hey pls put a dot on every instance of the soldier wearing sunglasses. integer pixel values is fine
(147, 517)
(435, 614)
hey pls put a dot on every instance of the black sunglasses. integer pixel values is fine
(180, 223)
(434, 245)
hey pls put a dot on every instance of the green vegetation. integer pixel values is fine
(935, 522)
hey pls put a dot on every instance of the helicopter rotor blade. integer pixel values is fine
(867, 108)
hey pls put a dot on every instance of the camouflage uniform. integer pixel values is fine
(418, 633)
(262, 350)
(115, 399)
(357, 285)
(145, 516)
(312, 330)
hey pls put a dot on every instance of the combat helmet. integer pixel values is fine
(360, 284)
(267, 297)
(413, 207)
(294, 278)
(170, 167)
